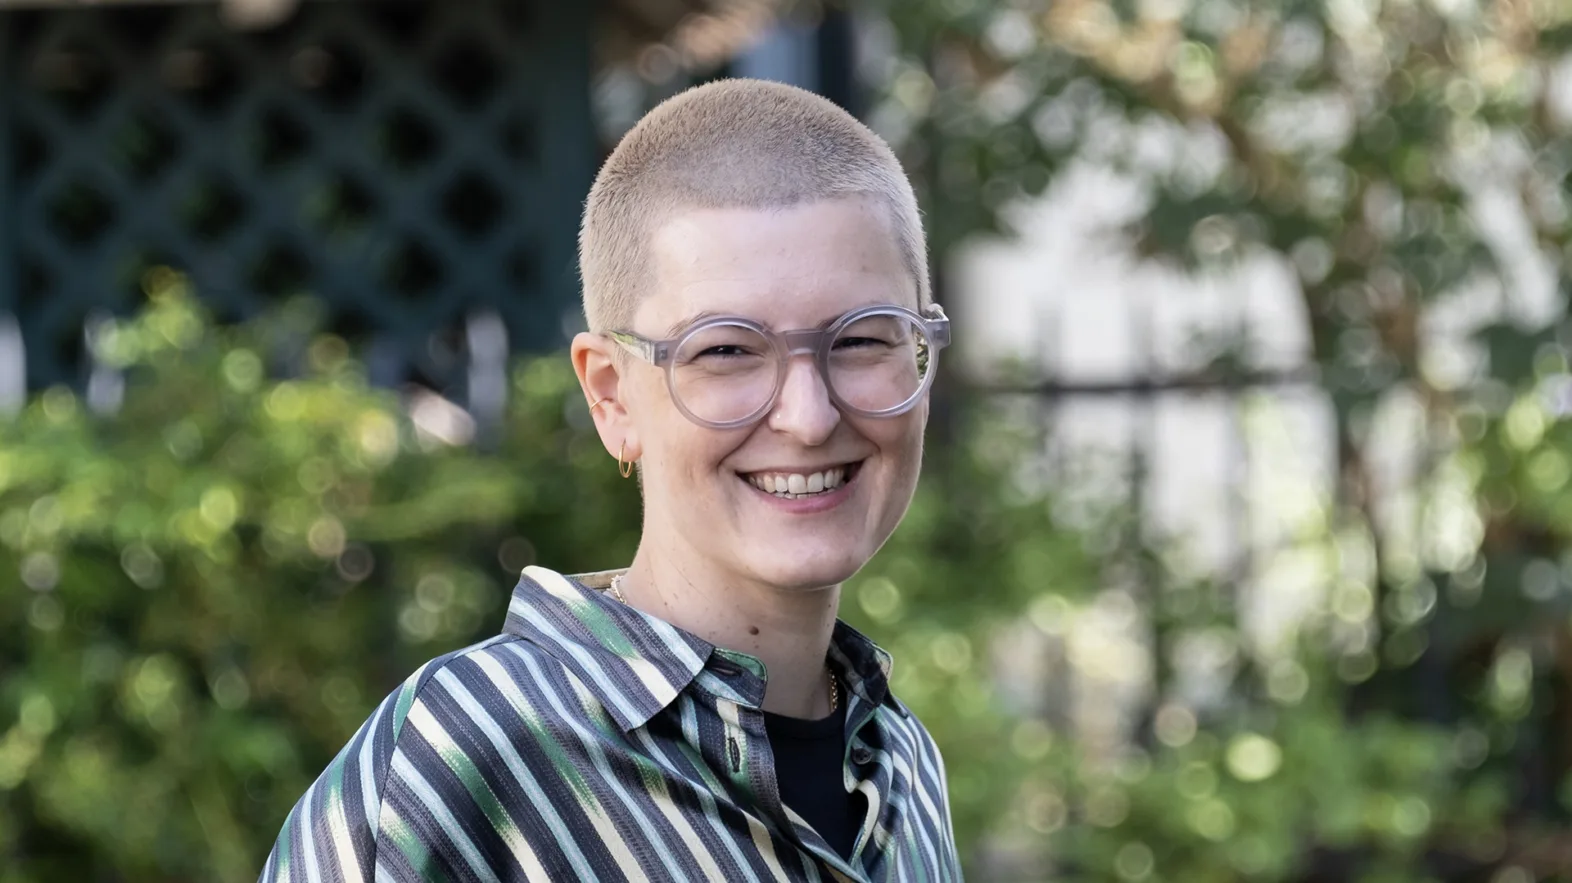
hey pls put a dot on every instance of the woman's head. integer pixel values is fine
(769, 204)
(732, 144)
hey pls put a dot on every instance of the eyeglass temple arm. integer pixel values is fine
(652, 351)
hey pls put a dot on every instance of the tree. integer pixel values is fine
(220, 580)
(1354, 143)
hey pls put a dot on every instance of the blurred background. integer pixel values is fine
(1244, 546)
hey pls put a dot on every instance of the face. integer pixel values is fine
(706, 491)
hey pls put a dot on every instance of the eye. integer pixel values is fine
(842, 343)
(724, 350)
(873, 332)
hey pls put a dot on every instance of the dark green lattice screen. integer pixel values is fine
(409, 163)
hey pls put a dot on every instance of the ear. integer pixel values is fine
(600, 377)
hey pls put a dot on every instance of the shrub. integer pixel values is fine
(220, 579)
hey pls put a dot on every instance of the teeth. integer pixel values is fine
(791, 485)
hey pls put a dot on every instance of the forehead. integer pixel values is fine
(794, 267)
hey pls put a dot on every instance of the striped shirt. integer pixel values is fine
(591, 741)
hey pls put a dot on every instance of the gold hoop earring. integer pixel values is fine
(624, 467)
(598, 402)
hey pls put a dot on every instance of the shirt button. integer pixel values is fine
(861, 755)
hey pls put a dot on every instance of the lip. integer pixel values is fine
(822, 502)
(801, 470)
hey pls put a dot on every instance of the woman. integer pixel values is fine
(761, 347)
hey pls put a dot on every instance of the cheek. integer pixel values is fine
(666, 436)
(900, 444)
(687, 457)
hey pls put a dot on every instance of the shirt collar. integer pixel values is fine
(861, 664)
(632, 662)
(636, 664)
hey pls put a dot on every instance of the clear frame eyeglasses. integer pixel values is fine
(727, 372)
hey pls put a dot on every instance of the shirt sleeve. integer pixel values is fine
(331, 834)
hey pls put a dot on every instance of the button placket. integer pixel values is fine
(739, 690)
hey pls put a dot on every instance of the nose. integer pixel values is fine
(804, 410)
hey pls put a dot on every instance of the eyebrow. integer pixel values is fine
(683, 324)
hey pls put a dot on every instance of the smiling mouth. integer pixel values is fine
(801, 485)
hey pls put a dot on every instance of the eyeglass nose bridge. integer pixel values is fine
(803, 342)
(806, 342)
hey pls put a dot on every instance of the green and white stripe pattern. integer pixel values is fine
(590, 741)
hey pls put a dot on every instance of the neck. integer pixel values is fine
(786, 629)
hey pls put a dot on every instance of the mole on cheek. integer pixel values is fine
(753, 629)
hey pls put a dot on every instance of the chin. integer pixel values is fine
(815, 573)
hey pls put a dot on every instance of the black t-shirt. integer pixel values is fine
(808, 766)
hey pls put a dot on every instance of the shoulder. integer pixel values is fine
(428, 693)
(923, 761)
(332, 832)
(929, 782)
(491, 687)
(492, 666)
(908, 727)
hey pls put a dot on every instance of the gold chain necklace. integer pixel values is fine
(835, 687)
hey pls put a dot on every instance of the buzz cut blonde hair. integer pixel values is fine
(732, 144)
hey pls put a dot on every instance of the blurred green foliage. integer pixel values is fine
(211, 587)
(219, 579)
(1418, 728)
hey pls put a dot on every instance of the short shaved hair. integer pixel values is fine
(732, 144)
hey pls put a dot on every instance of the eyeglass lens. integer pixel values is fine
(723, 373)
